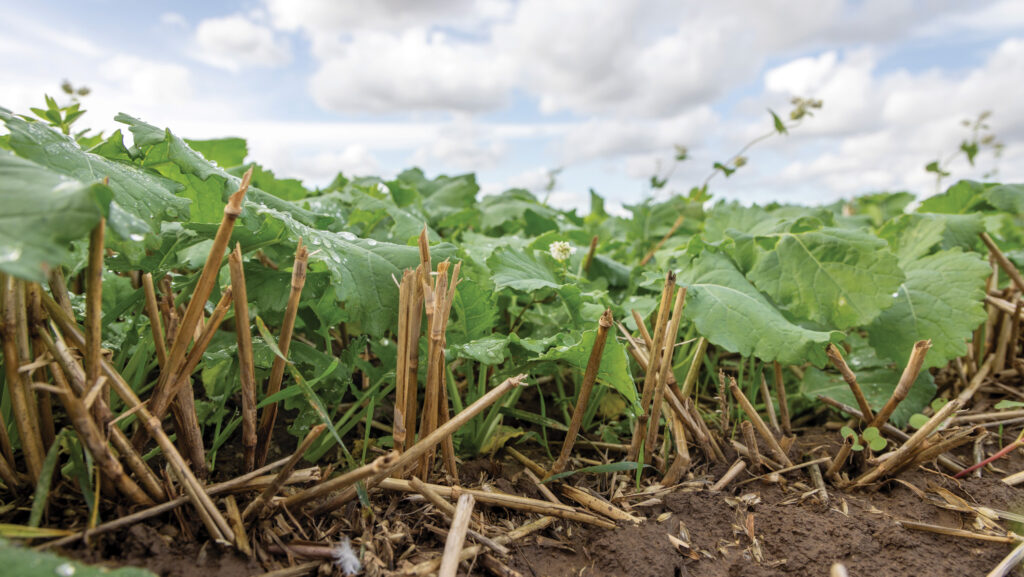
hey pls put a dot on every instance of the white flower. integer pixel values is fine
(561, 250)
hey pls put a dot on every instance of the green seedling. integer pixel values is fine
(871, 437)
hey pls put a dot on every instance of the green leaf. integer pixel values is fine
(963, 197)
(489, 350)
(507, 211)
(917, 420)
(42, 213)
(614, 369)
(226, 152)
(732, 314)
(25, 562)
(942, 299)
(141, 200)
(363, 271)
(780, 127)
(206, 184)
(525, 271)
(269, 340)
(877, 379)
(42, 494)
(1008, 404)
(474, 313)
(912, 236)
(835, 277)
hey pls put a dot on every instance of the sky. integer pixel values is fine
(513, 90)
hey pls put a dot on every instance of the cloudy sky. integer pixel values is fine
(514, 89)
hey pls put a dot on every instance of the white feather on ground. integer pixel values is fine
(346, 558)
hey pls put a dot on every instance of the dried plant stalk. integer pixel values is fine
(260, 502)
(780, 392)
(435, 407)
(664, 369)
(92, 439)
(212, 518)
(730, 475)
(128, 520)
(343, 481)
(22, 405)
(37, 319)
(837, 359)
(155, 326)
(8, 475)
(430, 566)
(598, 505)
(246, 370)
(412, 454)
(651, 376)
(94, 307)
(401, 372)
(170, 375)
(769, 406)
(1003, 262)
(583, 399)
(269, 416)
(948, 462)
(505, 500)
(694, 371)
(682, 460)
(67, 371)
(590, 254)
(762, 429)
(910, 373)
(186, 421)
(449, 511)
(908, 450)
(751, 442)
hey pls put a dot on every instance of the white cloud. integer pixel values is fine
(320, 16)
(612, 137)
(235, 42)
(146, 81)
(462, 146)
(417, 70)
(173, 19)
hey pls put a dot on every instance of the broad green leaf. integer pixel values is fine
(750, 220)
(732, 314)
(25, 562)
(141, 200)
(614, 369)
(525, 271)
(835, 277)
(963, 197)
(206, 184)
(474, 313)
(42, 213)
(264, 179)
(226, 152)
(1007, 197)
(406, 222)
(489, 350)
(912, 236)
(363, 270)
(507, 211)
(942, 299)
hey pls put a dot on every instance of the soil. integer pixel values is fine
(795, 532)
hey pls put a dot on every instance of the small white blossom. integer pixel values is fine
(561, 250)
